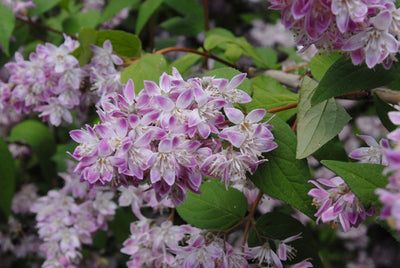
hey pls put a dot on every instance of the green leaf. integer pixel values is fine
(87, 36)
(212, 41)
(280, 226)
(124, 44)
(215, 208)
(40, 139)
(320, 63)
(382, 109)
(42, 6)
(283, 176)
(233, 52)
(362, 178)
(268, 93)
(344, 77)
(318, 124)
(7, 24)
(73, 24)
(184, 63)
(145, 11)
(269, 57)
(7, 178)
(115, 6)
(229, 73)
(149, 67)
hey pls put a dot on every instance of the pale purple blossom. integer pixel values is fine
(273, 257)
(337, 204)
(372, 154)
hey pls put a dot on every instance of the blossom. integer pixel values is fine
(264, 254)
(337, 204)
(374, 153)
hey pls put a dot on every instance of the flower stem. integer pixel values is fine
(45, 27)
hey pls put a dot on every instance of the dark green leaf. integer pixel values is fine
(40, 139)
(344, 77)
(192, 21)
(124, 44)
(283, 176)
(115, 6)
(145, 11)
(215, 208)
(73, 24)
(382, 109)
(120, 224)
(320, 63)
(332, 150)
(318, 124)
(149, 67)
(280, 226)
(229, 73)
(7, 23)
(61, 155)
(42, 6)
(189, 25)
(362, 178)
(7, 178)
(185, 7)
(268, 93)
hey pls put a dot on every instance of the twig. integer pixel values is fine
(282, 108)
(250, 217)
(202, 53)
(47, 28)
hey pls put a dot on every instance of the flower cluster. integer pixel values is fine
(172, 134)
(65, 223)
(47, 83)
(50, 81)
(337, 204)
(168, 245)
(368, 30)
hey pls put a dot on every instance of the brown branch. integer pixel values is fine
(151, 32)
(250, 217)
(206, 15)
(294, 125)
(202, 53)
(45, 27)
(295, 67)
(282, 108)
